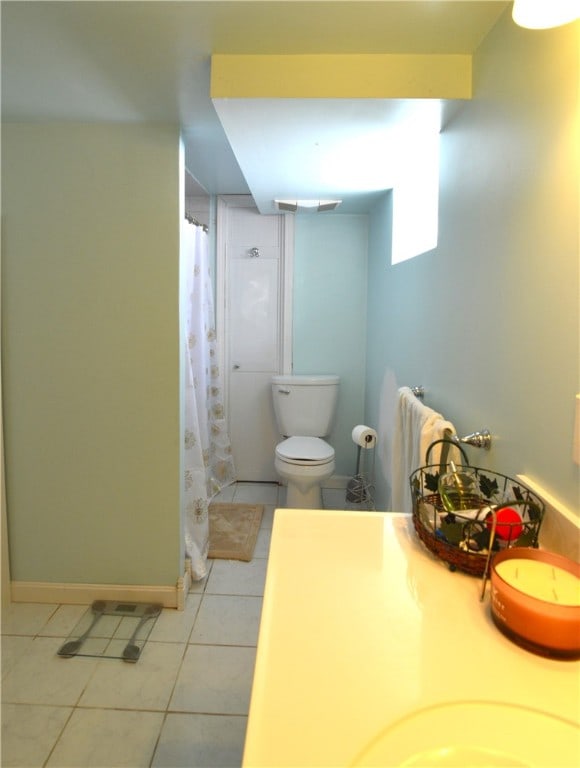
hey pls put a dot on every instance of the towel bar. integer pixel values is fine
(480, 439)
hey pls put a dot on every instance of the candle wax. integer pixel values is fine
(541, 580)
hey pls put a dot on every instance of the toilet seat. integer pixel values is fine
(305, 451)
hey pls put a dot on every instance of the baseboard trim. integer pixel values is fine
(84, 594)
(336, 482)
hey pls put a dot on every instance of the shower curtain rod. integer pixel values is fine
(196, 223)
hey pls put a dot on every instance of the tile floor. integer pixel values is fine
(185, 703)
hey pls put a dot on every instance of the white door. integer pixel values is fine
(253, 269)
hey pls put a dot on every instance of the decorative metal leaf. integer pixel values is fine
(527, 538)
(518, 493)
(488, 486)
(432, 481)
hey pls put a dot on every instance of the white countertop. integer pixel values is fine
(361, 625)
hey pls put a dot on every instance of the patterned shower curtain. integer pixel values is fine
(208, 463)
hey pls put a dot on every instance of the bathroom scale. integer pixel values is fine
(112, 629)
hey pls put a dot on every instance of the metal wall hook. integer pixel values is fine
(254, 252)
(480, 439)
(418, 391)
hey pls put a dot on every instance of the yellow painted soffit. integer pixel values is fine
(349, 76)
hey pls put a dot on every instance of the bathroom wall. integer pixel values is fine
(329, 323)
(488, 322)
(91, 352)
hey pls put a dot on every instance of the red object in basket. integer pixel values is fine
(509, 524)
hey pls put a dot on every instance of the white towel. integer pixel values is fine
(416, 427)
(436, 428)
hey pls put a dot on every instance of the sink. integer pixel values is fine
(475, 733)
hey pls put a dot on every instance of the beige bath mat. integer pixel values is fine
(233, 530)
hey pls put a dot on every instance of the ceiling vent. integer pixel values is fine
(307, 206)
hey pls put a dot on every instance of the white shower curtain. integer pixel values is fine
(208, 463)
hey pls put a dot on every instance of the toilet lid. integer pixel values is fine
(305, 449)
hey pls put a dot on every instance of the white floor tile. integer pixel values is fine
(145, 685)
(29, 732)
(226, 495)
(198, 587)
(268, 516)
(256, 493)
(63, 621)
(26, 618)
(232, 577)
(102, 738)
(262, 547)
(214, 679)
(201, 741)
(42, 677)
(227, 620)
(334, 498)
(13, 648)
(174, 626)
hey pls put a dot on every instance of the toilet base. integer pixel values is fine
(304, 482)
(298, 499)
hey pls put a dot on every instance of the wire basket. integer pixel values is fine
(360, 493)
(462, 538)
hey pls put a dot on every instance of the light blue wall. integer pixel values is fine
(330, 273)
(385, 317)
(489, 321)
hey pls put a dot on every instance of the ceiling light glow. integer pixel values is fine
(545, 14)
(307, 205)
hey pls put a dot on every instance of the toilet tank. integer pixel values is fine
(305, 405)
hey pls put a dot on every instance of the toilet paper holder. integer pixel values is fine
(364, 437)
(360, 488)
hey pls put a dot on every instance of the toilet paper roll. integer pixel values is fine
(364, 436)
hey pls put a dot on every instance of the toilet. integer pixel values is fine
(304, 407)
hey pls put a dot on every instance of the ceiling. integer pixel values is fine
(151, 61)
